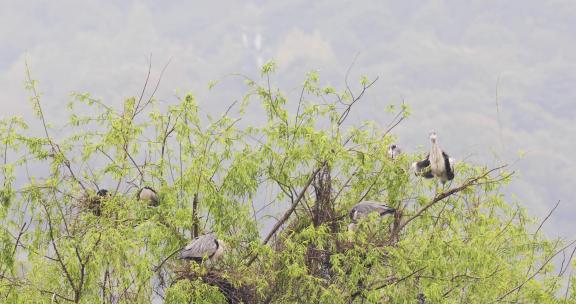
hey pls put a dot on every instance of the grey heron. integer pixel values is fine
(436, 164)
(204, 246)
(394, 151)
(364, 208)
(148, 194)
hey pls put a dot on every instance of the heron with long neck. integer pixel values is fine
(436, 164)
(394, 151)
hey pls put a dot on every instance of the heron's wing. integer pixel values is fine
(448, 165)
(428, 174)
(201, 246)
(366, 207)
(424, 163)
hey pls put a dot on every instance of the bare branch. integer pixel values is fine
(344, 114)
(289, 211)
(348, 73)
(138, 111)
(145, 85)
(58, 255)
(443, 195)
(546, 218)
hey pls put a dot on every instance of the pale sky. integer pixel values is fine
(444, 58)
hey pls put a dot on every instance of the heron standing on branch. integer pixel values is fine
(436, 164)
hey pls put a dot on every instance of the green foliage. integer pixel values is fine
(461, 243)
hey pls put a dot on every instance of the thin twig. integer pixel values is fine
(443, 195)
(288, 212)
(546, 218)
(535, 273)
(157, 268)
(145, 85)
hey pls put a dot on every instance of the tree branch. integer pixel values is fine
(59, 257)
(546, 218)
(289, 212)
(443, 195)
(535, 273)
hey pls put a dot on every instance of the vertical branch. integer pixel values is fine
(31, 86)
(195, 216)
(56, 251)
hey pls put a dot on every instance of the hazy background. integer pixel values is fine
(446, 59)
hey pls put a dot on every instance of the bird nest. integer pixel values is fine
(318, 262)
(233, 294)
(89, 203)
(323, 210)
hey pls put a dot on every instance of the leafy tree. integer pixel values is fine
(59, 242)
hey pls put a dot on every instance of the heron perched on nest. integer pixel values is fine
(394, 151)
(148, 194)
(94, 202)
(205, 247)
(363, 209)
(436, 164)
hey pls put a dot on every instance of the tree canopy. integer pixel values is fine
(277, 192)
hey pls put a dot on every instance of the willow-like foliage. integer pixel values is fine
(276, 189)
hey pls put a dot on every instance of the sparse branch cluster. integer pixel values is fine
(281, 199)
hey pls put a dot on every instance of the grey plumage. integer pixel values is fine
(363, 209)
(148, 194)
(436, 164)
(206, 246)
(394, 151)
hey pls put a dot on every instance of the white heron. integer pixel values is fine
(394, 151)
(364, 208)
(206, 246)
(148, 194)
(436, 164)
